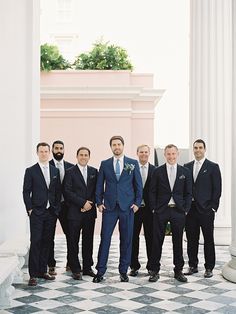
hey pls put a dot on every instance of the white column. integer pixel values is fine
(211, 94)
(229, 270)
(19, 119)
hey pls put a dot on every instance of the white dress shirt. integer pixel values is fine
(84, 172)
(121, 159)
(168, 166)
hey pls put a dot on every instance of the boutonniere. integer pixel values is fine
(129, 167)
(182, 177)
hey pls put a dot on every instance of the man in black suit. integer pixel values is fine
(170, 200)
(58, 162)
(42, 196)
(144, 215)
(206, 196)
(79, 190)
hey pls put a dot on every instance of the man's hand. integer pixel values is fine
(134, 207)
(101, 208)
(87, 206)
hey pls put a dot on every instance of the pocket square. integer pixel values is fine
(182, 177)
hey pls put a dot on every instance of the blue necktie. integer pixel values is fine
(117, 169)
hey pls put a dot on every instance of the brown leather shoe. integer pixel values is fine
(32, 282)
(77, 276)
(46, 276)
(52, 272)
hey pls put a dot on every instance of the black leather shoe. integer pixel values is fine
(191, 271)
(133, 272)
(77, 276)
(46, 276)
(154, 276)
(89, 273)
(124, 277)
(98, 278)
(180, 277)
(52, 271)
(208, 273)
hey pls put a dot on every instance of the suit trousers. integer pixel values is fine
(109, 220)
(64, 224)
(144, 217)
(41, 235)
(85, 223)
(194, 222)
(176, 217)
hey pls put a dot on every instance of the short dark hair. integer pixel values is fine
(57, 142)
(42, 144)
(117, 137)
(200, 141)
(170, 146)
(83, 148)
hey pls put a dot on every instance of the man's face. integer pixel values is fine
(58, 151)
(43, 153)
(171, 155)
(117, 147)
(143, 154)
(199, 151)
(83, 157)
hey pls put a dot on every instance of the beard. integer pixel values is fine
(58, 156)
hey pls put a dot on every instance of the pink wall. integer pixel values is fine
(86, 108)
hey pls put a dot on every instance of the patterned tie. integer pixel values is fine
(61, 170)
(46, 175)
(172, 177)
(85, 175)
(117, 169)
(143, 174)
(197, 168)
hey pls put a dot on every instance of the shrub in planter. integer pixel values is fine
(104, 57)
(51, 59)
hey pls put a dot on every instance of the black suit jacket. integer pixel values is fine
(77, 192)
(160, 191)
(36, 194)
(67, 165)
(207, 187)
(146, 187)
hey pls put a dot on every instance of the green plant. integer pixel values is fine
(51, 59)
(103, 57)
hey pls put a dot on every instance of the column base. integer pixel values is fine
(229, 270)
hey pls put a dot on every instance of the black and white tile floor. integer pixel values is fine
(65, 295)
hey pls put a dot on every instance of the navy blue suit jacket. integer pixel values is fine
(36, 194)
(125, 192)
(207, 187)
(160, 191)
(77, 192)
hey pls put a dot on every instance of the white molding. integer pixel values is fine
(101, 92)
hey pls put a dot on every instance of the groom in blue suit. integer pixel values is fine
(118, 197)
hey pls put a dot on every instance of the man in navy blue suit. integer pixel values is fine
(118, 197)
(42, 197)
(144, 215)
(206, 197)
(170, 200)
(58, 162)
(79, 191)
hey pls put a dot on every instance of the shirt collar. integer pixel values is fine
(141, 165)
(121, 159)
(168, 166)
(43, 165)
(58, 161)
(201, 161)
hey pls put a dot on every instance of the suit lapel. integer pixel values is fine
(165, 175)
(203, 169)
(80, 175)
(38, 169)
(110, 164)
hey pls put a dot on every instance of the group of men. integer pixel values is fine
(132, 192)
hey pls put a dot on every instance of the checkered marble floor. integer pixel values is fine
(65, 295)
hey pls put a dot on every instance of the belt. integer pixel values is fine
(171, 205)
